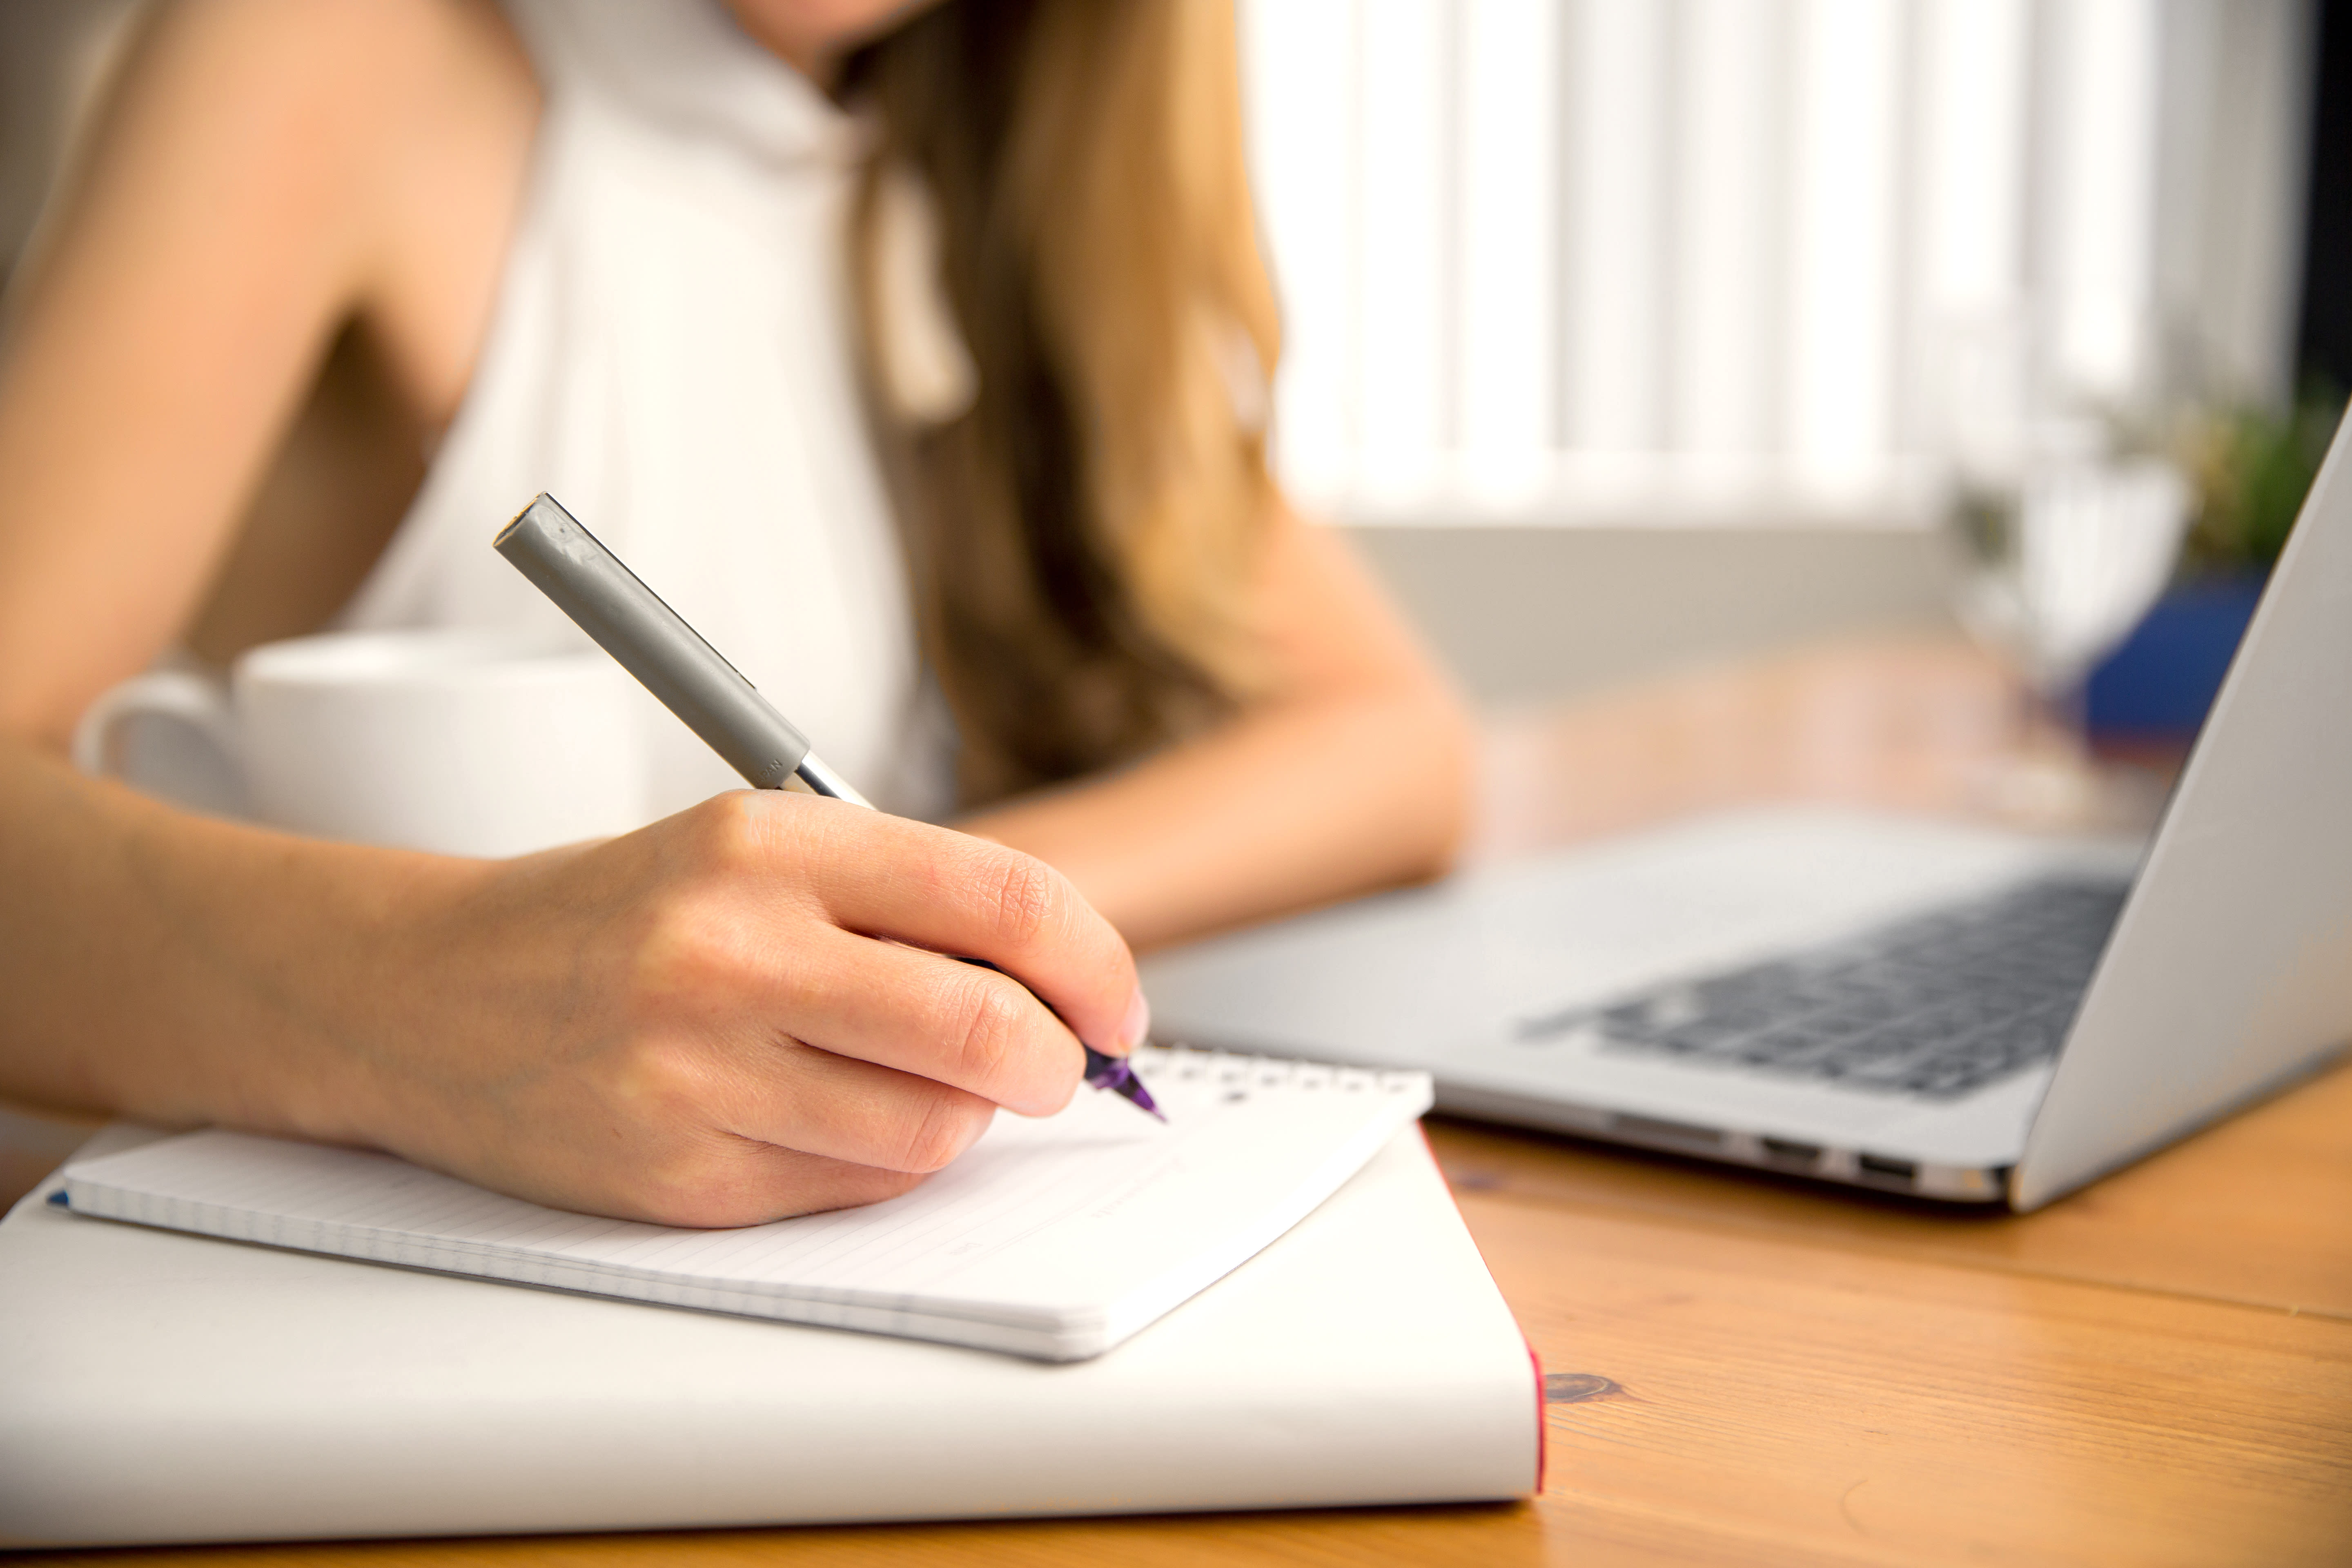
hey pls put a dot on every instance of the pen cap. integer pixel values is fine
(588, 582)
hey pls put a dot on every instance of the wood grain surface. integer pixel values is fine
(1750, 1369)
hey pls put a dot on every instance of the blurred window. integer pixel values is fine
(1725, 261)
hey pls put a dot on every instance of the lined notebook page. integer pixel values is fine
(1054, 1238)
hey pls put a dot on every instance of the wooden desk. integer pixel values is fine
(1750, 1369)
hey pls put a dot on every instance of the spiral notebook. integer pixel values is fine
(1054, 1238)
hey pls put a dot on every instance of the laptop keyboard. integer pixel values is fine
(1933, 1006)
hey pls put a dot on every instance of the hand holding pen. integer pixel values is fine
(649, 640)
(737, 1014)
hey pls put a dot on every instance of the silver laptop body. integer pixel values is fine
(1909, 1004)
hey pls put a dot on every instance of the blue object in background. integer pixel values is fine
(2160, 683)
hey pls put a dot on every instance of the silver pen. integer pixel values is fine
(653, 642)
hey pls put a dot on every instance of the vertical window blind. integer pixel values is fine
(1727, 260)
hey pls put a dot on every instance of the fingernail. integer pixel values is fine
(1132, 1033)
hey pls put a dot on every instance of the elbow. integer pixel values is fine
(37, 726)
(1445, 784)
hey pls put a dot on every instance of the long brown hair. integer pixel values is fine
(1081, 530)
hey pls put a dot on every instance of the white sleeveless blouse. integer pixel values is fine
(669, 356)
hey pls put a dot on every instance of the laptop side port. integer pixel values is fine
(1881, 1168)
(1658, 1131)
(1790, 1154)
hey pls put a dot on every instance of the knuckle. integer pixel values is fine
(730, 833)
(684, 950)
(709, 956)
(658, 1083)
(1020, 896)
(990, 1028)
(933, 1130)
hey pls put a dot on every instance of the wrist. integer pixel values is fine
(302, 960)
(370, 993)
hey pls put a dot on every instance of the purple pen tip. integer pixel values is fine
(1116, 1073)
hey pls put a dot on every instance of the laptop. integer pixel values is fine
(1907, 1004)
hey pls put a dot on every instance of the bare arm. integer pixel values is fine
(720, 1019)
(1354, 774)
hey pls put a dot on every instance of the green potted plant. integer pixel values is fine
(2249, 469)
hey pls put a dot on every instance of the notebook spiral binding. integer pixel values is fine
(1186, 1063)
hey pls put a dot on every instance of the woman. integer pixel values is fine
(600, 248)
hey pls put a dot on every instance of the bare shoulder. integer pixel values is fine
(348, 70)
(263, 173)
(339, 156)
(302, 120)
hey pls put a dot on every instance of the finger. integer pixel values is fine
(906, 1007)
(784, 1093)
(784, 1183)
(745, 1182)
(956, 894)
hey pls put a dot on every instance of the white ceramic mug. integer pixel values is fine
(464, 743)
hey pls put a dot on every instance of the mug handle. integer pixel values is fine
(189, 701)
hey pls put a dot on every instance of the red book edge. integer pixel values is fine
(1543, 1421)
